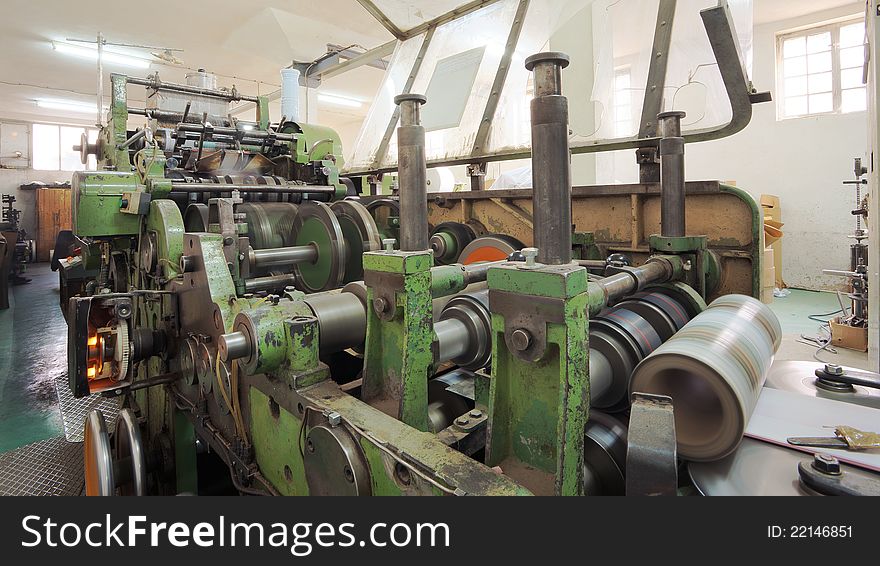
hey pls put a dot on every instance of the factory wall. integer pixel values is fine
(794, 159)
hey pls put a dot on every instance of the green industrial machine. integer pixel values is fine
(267, 334)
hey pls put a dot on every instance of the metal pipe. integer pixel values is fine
(413, 174)
(672, 195)
(283, 256)
(226, 187)
(235, 132)
(100, 121)
(272, 283)
(156, 84)
(176, 117)
(611, 289)
(551, 160)
(137, 135)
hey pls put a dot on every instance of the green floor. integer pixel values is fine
(33, 353)
(794, 311)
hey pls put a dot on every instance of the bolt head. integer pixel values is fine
(380, 305)
(476, 414)
(833, 369)
(826, 464)
(388, 244)
(462, 421)
(334, 418)
(521, 339)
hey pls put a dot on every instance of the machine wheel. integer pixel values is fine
(270, 224)
(316, 225)
(449, 239)
(388, 220)
(489, 248)
(361, 235)
(195, 219)
(118, 468)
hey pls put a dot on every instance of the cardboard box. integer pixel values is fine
(849, 337)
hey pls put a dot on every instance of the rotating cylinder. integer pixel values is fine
(342, 318)
(713, 369)
(464, 331)
(413, 174)
(551, 160)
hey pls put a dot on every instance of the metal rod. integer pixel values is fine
(233, 346)
(413, 174)
(283, 256)
(268, 283)
(551, 160)
(137, 135)
(631, 281)
(224, 187)
(100, 121)
(672, 195)
(156, 84)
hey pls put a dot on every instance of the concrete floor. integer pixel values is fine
(33, 343)
(33, 352)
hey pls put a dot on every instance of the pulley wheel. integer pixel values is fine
(97, 456)
(360, 233)
(460, 235)
(316, 225)
(129, 452)
(489, 248)
(195, 219)
(270, 224)
(604, 455)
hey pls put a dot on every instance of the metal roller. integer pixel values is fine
(342, 318)
(713, 369)
(270, 224)
(316, 225)
(361, 235)
(464, 331)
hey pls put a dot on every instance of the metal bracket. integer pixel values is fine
(651, 454)
(531, 315)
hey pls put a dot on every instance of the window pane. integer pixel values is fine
(852, 57)
(70, 160)
(795, 67)
(796, 106)
(853, 100)
(851, 78)
(853, 34)
(821, 103)
(820, 62)
(45, 147)
(819, 42)
(820, 83)
(794, 47)
(796, 86)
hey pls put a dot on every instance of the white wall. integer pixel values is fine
(802, 160)
(12, 179)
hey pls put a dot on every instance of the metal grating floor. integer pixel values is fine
(74, 411)
(49, 467)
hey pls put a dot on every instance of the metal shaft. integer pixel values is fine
(226, 187)
(672, 205)
(551, 160)
(413, 175)
(272, 283)
(283, 256)
(632, 281)
(155, 83)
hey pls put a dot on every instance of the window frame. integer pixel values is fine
(31, 127)
(834, 27)
(631, 120)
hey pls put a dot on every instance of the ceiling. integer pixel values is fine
(767, 11)
(249, 40)
(243, 41)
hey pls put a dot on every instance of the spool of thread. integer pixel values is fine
(714, 369)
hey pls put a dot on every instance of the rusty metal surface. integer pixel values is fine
(651, 459)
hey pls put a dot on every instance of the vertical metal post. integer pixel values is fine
(413, 174)
(672, 205)
(100, 93)
(551, 160)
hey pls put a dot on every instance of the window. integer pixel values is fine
(623, 107)
(53, 147)
(820, 70)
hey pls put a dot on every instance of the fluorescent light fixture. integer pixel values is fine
(340, 100)
(90, 52)
(68, 105)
